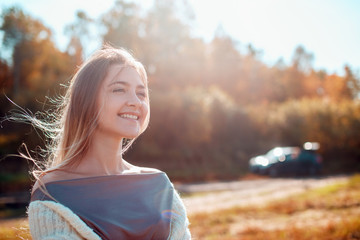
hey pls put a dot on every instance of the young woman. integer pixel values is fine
(87, 190)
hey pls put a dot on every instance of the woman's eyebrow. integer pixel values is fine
(126, 83)
(118, 82)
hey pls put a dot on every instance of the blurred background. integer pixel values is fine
(229, 80)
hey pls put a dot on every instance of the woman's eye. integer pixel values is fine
(119, 90)
(142, 94)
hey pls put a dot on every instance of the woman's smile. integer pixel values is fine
(129, 116)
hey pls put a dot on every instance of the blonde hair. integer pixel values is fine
(70, 129)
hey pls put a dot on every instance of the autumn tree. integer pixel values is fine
(6, 79)
(336, 88)
(79, 33)
(352, 82)
(296, 73)
(314, 84)
(167, 39)
(36, 63)
(18, 30)
(122, 26)
(225, 64)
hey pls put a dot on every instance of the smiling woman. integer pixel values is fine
(87, 190)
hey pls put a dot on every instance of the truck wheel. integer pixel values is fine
(273, 172)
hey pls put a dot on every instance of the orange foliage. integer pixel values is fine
(336, 88)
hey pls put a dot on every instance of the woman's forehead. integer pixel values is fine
(124, 73)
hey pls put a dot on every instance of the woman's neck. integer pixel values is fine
(104, 156)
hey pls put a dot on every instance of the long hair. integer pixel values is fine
(72, 127)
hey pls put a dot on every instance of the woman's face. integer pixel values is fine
(123, 103)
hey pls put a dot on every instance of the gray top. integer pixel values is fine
(129, 206)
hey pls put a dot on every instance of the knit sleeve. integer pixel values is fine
(179, 226)
(50, 220)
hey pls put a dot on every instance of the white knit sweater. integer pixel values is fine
(49, 220)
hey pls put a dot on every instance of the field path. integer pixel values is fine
(210, 197)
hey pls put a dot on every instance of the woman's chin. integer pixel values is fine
(131, 135)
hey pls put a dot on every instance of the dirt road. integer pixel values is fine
(210, 197)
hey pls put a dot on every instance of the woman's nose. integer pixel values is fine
(133, 100)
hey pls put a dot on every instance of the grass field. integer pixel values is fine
(331, 212)
(328, 213)
(14, 229)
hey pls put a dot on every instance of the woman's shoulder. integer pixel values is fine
(148, 170)
(52, 176)
(132, 169)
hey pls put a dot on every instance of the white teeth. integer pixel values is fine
(129, 116)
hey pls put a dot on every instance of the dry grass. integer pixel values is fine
(330, 212)
(14, 229)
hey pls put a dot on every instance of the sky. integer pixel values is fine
(329, 29)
